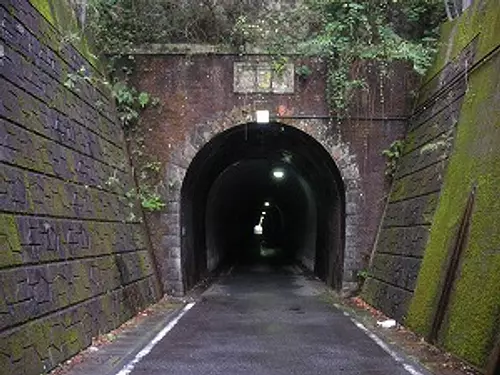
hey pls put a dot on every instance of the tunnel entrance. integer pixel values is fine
(262, 192)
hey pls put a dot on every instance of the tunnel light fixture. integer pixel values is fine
(262, 117)
(279, 174)
(267, 204)
(263, 213)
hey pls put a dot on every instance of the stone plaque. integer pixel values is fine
(260, 77)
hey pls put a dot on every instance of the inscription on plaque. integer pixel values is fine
(262, 78)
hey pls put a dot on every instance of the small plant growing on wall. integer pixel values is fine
(148, 197)
(279, 65)
(129, 103)
(393, 155)
(303, 72)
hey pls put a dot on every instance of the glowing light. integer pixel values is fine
(278, 174)
(262, 117)
(263, 213)
(267, 204)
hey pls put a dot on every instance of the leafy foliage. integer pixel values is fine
(346, 31)
(303, 71)
(129, 102)
(340, 31)
(393, 154)
(149, 199)
(116, 24)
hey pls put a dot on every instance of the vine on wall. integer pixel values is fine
(339, 31)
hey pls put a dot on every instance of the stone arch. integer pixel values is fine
(173, 273)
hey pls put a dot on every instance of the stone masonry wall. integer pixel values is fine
(437, 265)
(201, 96)
(72, 264)
(467, 321)
(415, 191)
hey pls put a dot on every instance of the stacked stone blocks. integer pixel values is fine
(416, 189)
(74, 260)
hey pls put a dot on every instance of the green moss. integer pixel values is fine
(61, 16)
(40, 333)
(17, 342)
(10, 243)
(472, 314)
(481, 19)
(43, 6)
(61, 203)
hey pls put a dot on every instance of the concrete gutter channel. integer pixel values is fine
(131, 343)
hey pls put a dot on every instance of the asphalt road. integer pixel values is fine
(259, 322)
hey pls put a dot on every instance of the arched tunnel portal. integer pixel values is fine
(272, 174)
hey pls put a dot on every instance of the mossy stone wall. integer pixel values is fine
(471, 323)
(415, 191)
(74, 261)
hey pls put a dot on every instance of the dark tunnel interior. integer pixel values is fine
(263, 193)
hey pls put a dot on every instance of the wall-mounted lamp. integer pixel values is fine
(262, 117)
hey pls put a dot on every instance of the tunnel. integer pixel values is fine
(262, 193)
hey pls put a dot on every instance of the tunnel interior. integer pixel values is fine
(262, 193)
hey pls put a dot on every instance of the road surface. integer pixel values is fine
(266, 321)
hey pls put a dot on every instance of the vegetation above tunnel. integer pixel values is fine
(340, 31)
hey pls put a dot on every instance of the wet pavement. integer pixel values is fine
(267, 321)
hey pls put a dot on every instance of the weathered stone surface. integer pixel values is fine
(393, 301)
(18, 106)
(396, 270)
(422, 182)
(411, 212)
(415, 192)
(54, 159)
(260, 77)
(71, 264)
(405, 241)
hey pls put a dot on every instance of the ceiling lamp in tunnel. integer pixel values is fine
(263, 213)
(267, 204)
(278, 174)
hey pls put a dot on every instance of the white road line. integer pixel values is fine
(412, 370)
(127, 369)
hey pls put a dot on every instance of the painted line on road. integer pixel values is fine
(127, 369)
(412, 370)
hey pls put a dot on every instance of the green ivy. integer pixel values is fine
(393, 155)
(129, 101)
(341, 32)
(303, 71)
(148, 197)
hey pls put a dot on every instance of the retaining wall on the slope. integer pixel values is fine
(415, 192)
(437, 263)
(72, 262)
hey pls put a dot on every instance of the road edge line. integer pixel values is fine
(127, 369)
(411, 369)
